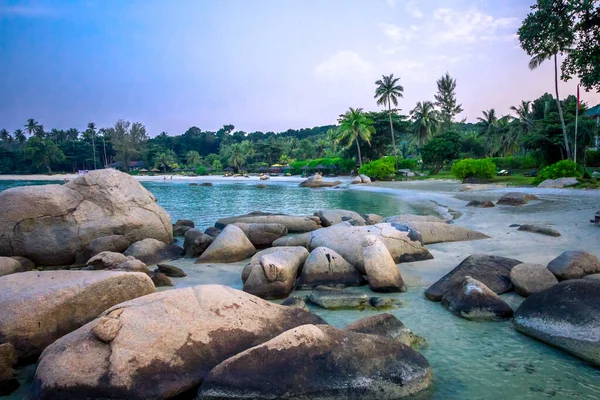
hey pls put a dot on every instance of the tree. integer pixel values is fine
(19, 136)
(387, 92)
(193, 158)
(166, 159)
(128, 140)
(442, 148)
(426, 121)
(354, 125)
(545, 33)
(5, 136)
(43, 152)
(237, 157)
(489, 123)
(92, 131)
(445, 99)
(32, 127)
(333, 137)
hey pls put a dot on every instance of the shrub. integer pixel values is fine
(483, 169)
(515, 162)
(341, 164)
(379, 169)
(406, 163)
(562, 169)
(201, 170)
(592, 158)
(441, 149)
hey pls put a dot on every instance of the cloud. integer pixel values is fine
(469, 27)
(413, 10)
(397, 33)
(343, 65)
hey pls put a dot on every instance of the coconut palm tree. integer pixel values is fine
(387, 92)
(19, 136)
(237, 157)
(524, 118)
(488, 120)
(489, 123)
(5, 136)
(354, 124)
(31, 127)
(193, 158)
(92, 130)
(333, 137)
(426, 121)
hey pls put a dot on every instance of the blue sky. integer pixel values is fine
(263, 65)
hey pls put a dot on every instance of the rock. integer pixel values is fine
(364, 178)
(382, 271)
(180, 230)
(326, 267)
(262, 235)
(596, 219)
(185, 222)
(193, 184)
(261, 186)
(385, 325)
(574, 265)
(302, 239)
(205, 184)
(592, 277)
(39, 307)
(295, 301)
(170, 271)
(196, 242)
(567, 316)
(332, 217)
(100, 203)
(347, 240)
(441, 232)
(372, 219)
(320, 362)
(333, 298)
(274, 275)
(356, 180)
(474, 301)
(559, 183)
(26, 263)
(246, 272)
(230, 246)
(152, 251)
(9, 266)
(480, 204)
(294, 223)
(212, 231)
(529, 279)
(107, 260)
(384, 302)
(113, 243)
(543, 230)
(316, 181)
(166, 345)
(133, 265)
(492, 271)
(516, 199)
(161, 280)
(405, 218)
(8, 358)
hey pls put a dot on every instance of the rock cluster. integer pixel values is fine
(317, 181)
(516, 199)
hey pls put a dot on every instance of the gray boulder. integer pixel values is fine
(595, 277)
(364, 178)
(196, 242)
(151, 251)
(8, 359)
(529, 279)
(326, 267)
(516, 199)
(559, 183)
(294, 223)
(170, 271)
(262, 235)
(160, 345)
(316, 181)
(114, 243)
(382, 271)
(302, 239)
(335, 298)
(332, 217)
(320, 362)
(474, 301)
(385, 325)
(480, 204)
(230, 246)
(542, 230)
(574, 265)
(9, 266)
(51, 224)
(440, 232)
(492, 271)
(567, 316)
(40, 307)
(26, 263)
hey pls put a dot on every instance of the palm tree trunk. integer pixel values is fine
(358, 149)
(560, 113)
(393, 138)
(94, 149)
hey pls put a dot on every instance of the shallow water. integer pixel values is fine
(469, 360)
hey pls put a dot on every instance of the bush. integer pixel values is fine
(592, 158)
(407, 163)
(379, 169)
(562, 169)
(343, 165)
(441, 149)
(201, 170)
(483, 169)
(515, 162)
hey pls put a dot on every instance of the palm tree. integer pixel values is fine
(31, 127)
(426, 121)
(489, 120)
(92, 130)
(39, 131)
(332, 136)
(193, 158)
(165, 159)
(5, 136)
(19, 136)
(387, 92)
(535, 62)
(237, 157)
(524, 116)
(354, 124)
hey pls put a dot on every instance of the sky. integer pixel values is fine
(261, 65)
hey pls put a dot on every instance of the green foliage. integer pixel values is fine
(201, 170)
(469, 168)
(354, 125)
(343, 165)
(43, 152)
(217, 166)
(562, 169)
(381, 169)
(441, 149)
(515, 162)
(407, 163)
(445, 99)
(592, 158)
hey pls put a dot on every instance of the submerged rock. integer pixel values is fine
(99, 203)
(567, 316)
(195, 243)
(151, 251)
(316, 181)
(385, 325)
(40, 307)
(294, 223)
(382, 271)
(474, 301)
(161, 345)
(230, 246)
(262, 235)
(326, 267)
(492, 271)
(542, 230)
(320, 362)
(516, 199)
(529, 279)
(332, 217)
(332, 298)
(574, 265)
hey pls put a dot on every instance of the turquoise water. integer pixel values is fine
(469, 360)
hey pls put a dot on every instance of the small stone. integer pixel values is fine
(107, 328)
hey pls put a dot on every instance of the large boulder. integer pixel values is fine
(516, 199)
(473, 300)
(440, 232)
(9, 266)
(294, 223)
(8, 359)
(39, 307)
(529, 279)
(347, 240)
(382, 271)
(574, 265)
(262, 235)
(51, 224)
(274, 275)
(230, 246)
(332, 217)
(320, 362)
(567, 316)
(316, 181)
(195, 242)
(492, 271)
(151, 251)
(559, 183)
(114, 243)
(161, 345)
(385, 325)
(133, 265)
(326, 267)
